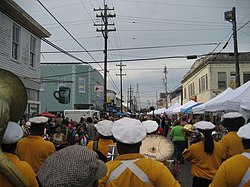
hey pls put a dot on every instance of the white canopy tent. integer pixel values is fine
(170, 110)
(235, 101)
(200, 109)
(185, 106)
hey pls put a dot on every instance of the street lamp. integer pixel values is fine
(231, 17)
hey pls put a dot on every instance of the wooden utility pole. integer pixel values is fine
(121, 74)
(166, 84)
(104, 29)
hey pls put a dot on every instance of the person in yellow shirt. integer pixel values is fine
(131, 168)
(231, 142)
(33, 148)
(235, 171)
(101, 146)
(9, 142)
(205, 155)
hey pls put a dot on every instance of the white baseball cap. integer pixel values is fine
(150, 125)
(38, 120)
(12, 134)
(244, 131)
(204, 125)
(104, 127)
(231, 115)
(129, 131)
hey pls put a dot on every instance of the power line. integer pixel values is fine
(138, 48)
(66, 30)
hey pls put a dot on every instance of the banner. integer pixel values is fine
(98, 88)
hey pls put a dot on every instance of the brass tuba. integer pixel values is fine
(13, 101)
(191, 133)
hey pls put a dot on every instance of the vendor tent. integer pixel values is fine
(200, 109)
(235, 101)
(185, 106)
(189, 109)
(171, 108)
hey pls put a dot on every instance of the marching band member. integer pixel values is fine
(235, 171)
(231, 142)
(101, 146)
(33, 148)
(205, 155)
(131, 168)
(12, 134)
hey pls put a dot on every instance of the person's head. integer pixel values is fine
(37, 125)
(151, 126)
(83, 169)
(244, 133)
(233, 121)
(89, 120)
(104, 129)
(58, 128)
(129, 133)
(12, 135)
(206, 128)
(177, 122)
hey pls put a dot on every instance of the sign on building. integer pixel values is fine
(98, 88)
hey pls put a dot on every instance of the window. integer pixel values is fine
(246, 77)
(191, 90)
(222, 80)
(203, 84)
(81, 85)
(16, 35)
(32, 51)
(185, 93)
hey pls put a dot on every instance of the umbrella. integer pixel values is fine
(47, 114)
(119, 114)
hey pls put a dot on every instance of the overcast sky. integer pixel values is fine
(170, 28)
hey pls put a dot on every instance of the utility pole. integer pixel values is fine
(121, 74)
(138, 96)
(231, 17)
(130, 98)
(104, 29)
(156, 98)
(166, 84)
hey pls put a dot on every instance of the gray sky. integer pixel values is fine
(175, 25)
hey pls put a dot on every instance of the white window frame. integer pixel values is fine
(16, 42)
(81, 84)
(32, 59)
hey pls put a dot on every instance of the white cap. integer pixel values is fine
(12, 134)
(129, 131)
(38, 120)
(150, 125)
(104, 127)
(204, 125)
(244, 131)
(232, 115)
(27, 124)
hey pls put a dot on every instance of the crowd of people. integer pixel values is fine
(106, 152)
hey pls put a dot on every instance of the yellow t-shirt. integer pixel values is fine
(231, 144)
(204, 165)
(24, 168)
(34, 150)
(157, 173)
(103, 145)
(231, 171)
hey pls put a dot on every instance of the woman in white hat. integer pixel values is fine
(231, 142)
(205, 155)
(235, 171)
(11, 136)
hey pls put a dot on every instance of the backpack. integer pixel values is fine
(100, 155)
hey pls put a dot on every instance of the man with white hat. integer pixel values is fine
(131, 168)
(12, 134)
(235, 171)
(33, 148)
(101, 146)
(231, 142)
(205, 155)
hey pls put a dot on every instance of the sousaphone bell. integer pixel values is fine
(13, 101)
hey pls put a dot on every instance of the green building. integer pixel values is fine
(85, 83)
